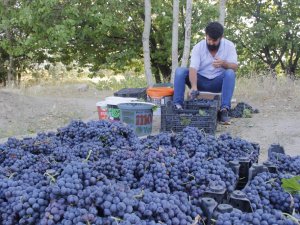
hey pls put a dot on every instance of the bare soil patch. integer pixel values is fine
(43, 108)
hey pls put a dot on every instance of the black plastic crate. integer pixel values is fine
(218, 193)
(205, 104)
(208, 206)
(275, 148)
(245, 164)
(239, 200)
(139, 93)
(195, 113)
(272, 168)
(200, 95)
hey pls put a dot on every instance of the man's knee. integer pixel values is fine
(181, 71)
(229, 73)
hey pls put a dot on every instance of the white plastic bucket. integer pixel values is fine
(113, 111)
(119, 99)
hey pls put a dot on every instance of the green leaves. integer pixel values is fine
(202, 112)
(291, 185)
(98, 33)
(104, 35)
(247, 113)
(265, 33)
(185, 120)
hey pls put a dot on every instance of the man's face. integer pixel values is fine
(213, 44)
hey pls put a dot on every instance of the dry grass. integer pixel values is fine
(260, 89)
(256, 88)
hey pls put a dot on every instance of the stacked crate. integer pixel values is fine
(200, 113)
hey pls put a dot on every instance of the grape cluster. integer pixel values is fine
(286, 163)
(238, 111)
(259, 217)
(226, 147)
(265, 192)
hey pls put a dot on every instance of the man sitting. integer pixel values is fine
(212, 69)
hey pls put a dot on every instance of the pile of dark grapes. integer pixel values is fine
(270, 203)
(259, 217)
(286, 163)
(265, 192)
(101, 173)
(238, 111)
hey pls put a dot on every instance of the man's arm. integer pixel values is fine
(226, 65)
(193, 78)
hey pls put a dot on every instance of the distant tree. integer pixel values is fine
(266, 34)
(175, 38)
(95, 34)
(187, 36)
(222, 11)
(146, 35)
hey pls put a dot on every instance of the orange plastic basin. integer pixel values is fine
(160, 92)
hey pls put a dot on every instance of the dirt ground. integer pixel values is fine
(24, 112)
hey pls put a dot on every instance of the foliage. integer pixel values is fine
(291, 185)
(98, 34)
(247, 113)
(102, 35)
(266, 34)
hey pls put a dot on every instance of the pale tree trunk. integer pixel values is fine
(187, 37)
(10, 62)
(175, 38)
(222, 11)
(11, 72)
(146, 47)
(11, 78)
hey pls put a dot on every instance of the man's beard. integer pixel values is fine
(213, 47)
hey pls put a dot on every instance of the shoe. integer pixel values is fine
(178, 106)
(224, 118)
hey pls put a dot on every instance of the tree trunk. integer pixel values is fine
(175, 38)
(146, 48)
(222, 11)
(156, 73)
(11, 79)
(187, 37)
(19, 79)
(292, 65)
(165, 71)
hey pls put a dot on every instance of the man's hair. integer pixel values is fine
(214, 30)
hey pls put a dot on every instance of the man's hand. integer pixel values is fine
(218, 63)
(193, 90)
(193, 80)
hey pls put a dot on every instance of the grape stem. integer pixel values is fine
(139, 195)
(291, 217)
(11, 175)
(292, 205)
(271, 180)
(51, 177)
(117, 220)
(191, 175)
(197, 220)
(88, 156)
(45, 158)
